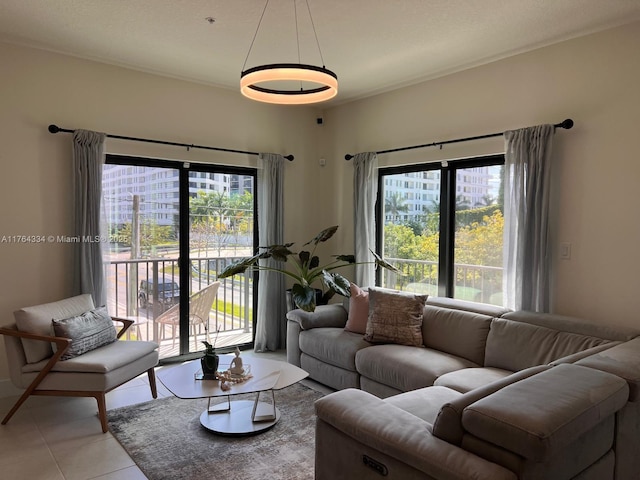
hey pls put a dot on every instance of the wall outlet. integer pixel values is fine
(565, 251)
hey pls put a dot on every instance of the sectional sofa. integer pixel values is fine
(490, 394)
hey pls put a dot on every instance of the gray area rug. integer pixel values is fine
(165, 439)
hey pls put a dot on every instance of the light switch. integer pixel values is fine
(565, 251)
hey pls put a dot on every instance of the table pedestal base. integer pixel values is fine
(237, 420)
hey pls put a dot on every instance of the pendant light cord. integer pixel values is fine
(313, 25)
(256, 34)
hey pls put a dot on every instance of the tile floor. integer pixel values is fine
(58, 438)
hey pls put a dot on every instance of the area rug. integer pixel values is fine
(165, 439)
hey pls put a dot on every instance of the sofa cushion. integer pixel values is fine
(406, 368)
(37, 320)
(513, 345)
(540, 415)
(424, 403)
(448, 423)
(334, 346)
(87, 331)
(358, 310)
(458, 332)
(395, 317)
(471, 378)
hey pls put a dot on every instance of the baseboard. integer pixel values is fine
(8, 389)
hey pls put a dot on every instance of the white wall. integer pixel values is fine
(594, 81)
(38, 88)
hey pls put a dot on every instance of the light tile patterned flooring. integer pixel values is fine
(58, 438)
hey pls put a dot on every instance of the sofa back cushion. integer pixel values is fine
(514, 345)
(458, 332)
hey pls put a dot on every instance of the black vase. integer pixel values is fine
(210, 364)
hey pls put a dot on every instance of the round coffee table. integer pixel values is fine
(234, 417)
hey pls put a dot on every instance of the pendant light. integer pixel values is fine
(254, 82)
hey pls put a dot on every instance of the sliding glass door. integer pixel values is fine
(172, 228)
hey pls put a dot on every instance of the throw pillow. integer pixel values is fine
(358, 310)
(395, 317)
(87, 331)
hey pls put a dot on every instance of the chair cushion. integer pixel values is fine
(87, 331)
(471, 378)
(101, 360)
(37, 320)
(424, 403)
(334, 346)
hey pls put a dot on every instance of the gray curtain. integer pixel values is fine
(527, 251)
(88, 159)
(365, 191)
(271, 328)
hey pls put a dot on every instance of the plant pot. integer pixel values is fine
(291, 304)
(210, 364)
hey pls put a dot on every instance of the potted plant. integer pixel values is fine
(305, 269)
(210, 360)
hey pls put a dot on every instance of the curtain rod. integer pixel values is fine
(56, 129)
(566, 124)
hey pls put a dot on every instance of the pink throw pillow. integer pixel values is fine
(358, 310)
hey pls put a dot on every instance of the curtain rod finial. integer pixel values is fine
(348, 157)
(289, 157)
(54, 128)
(567, 124)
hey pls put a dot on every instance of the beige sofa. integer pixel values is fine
(493, 394)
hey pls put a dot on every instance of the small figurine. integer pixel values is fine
(236, 367)
(224, 386)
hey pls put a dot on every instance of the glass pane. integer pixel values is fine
(478, 236)
(221, 232)
(411, 217)
(142, 217)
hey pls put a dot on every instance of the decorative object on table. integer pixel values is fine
(236, 367)
(210, 360)
(224, 386)
(306, 269)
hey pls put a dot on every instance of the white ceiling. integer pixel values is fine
(372, 45)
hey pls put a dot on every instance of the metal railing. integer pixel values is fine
(148, 287)
(477, 283)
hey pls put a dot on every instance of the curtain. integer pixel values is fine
(365, 191)
(271, 328)
(88, 159)
(527, 252)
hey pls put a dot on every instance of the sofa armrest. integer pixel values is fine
(622, 360)
(324, 316)
(386, 428)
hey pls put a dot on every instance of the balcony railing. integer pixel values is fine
(476, 283)
(144, 289)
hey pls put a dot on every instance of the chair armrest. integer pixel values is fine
(127, 323)
(62, 343)
(386, 428)
(333, 315)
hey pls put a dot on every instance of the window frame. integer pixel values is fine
(448, 190)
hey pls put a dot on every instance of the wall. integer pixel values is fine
(592, 80)
(39, 88)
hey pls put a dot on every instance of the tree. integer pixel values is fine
(394, 205)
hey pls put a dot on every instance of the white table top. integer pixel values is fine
(267, 374)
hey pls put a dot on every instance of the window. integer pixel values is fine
(448, 243)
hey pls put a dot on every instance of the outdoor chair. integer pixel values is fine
(200, 304)
(70, 348)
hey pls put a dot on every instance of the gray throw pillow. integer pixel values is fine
(395, 317)
(88, 331)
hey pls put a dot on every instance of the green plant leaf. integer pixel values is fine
(346, 258)
(303, 257)
(315, 262)
(280, 252)
(337, 283)
(380, 262)
(324, 235)
(238, 267)
(304, 297)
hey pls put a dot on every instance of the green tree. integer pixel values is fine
(394, 205)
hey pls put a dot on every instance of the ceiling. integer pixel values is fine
(372, 45)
